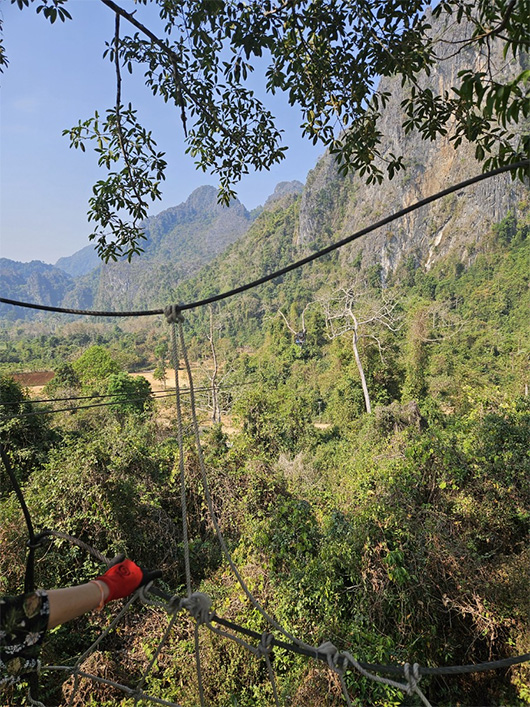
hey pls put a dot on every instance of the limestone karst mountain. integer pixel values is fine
(33, 282)
(179, 241)
(334, 206)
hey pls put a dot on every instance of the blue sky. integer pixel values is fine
(56, 75)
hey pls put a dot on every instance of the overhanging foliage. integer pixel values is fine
(327, 57)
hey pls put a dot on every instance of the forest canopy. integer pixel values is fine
(400, 535)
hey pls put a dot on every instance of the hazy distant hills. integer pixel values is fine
(32, 282)
(81, 262)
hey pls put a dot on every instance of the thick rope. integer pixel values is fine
(211, 510)
(111, 683)
(173, 315)
(32, 544)
(198, 664)
(75, 541)
(412, 680)
(29, 580)
(95, 644)
(183, 497)
(264, 649)
(338, 661)
(154, 657)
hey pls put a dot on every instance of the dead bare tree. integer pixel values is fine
(300, 334)
(444, 322)
(218, 370)
(353, 310)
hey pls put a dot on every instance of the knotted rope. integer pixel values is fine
(338, 662)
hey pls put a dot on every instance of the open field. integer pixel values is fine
(34, 379)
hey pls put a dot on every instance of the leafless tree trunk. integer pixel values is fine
(353, 309)
(216, 411)
(360, 368)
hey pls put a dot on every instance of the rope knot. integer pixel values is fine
(265, 645)
(39, 539)
(143, 595)
(336, 660)
(198, 605)
(174, 604)
(173, 314)
(412, 678)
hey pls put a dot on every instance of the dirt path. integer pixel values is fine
(33, 379)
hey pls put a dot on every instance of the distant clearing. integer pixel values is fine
(33, 379)
(157, 385)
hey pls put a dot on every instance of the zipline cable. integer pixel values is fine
(292, 266)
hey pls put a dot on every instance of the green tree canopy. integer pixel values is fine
(95, 365)
(327, 58)
(131, 393)
(65, 377)
(26, 436)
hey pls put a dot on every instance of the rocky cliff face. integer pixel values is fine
(282, 190)
(333, 207)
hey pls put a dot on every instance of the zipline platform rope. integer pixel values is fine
(405, 678)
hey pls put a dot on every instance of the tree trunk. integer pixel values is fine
(361, 373)
(216, 412)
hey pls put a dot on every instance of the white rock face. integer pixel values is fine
(334, 207)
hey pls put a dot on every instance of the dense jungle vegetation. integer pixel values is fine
(402, 535)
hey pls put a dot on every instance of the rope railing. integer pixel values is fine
(199, 606)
